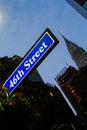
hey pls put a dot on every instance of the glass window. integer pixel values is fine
(83, 3)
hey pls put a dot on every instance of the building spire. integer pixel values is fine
(78, 54)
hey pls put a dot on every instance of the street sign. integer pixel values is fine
(32, 59)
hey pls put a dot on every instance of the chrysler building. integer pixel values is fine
(78, 54)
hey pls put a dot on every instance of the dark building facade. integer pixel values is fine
(80, 6)
(33, 105)
(73, 84)
(8, 65)
(78, 54)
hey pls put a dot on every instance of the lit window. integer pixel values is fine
(51, 94)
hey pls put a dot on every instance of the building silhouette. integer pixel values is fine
(73, 82)
(13, 62)
(34, 105)
(80, 6)
(73, 86)
(78, 54)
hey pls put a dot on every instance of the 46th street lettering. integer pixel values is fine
(27, 65)
(32, 59)
(16, 77)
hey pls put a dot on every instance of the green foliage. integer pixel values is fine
(16, 100)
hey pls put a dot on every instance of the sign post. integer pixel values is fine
(32, 59)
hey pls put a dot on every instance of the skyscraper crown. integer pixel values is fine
(78, 54)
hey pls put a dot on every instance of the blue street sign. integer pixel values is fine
(32, 59)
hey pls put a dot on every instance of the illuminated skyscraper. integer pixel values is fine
(78, 54)
(73, 86)
(73, 82)
(80, 6)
